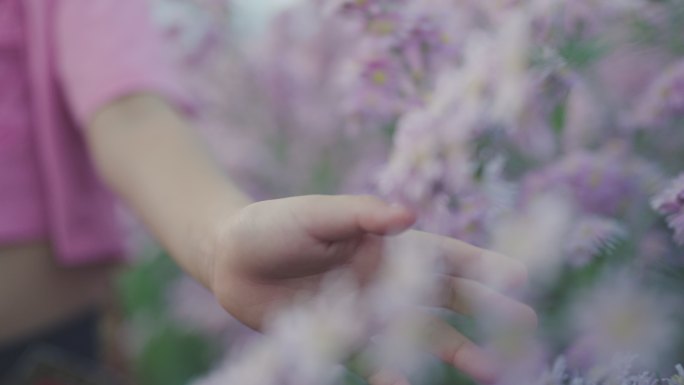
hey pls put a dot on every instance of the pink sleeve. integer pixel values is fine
(107, 49)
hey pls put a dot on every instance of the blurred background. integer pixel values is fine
(572, 170)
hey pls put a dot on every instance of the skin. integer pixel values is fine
(257, 256)
(35, 295)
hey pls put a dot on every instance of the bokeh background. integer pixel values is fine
(554, 136)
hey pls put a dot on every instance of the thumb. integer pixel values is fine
(339, 217)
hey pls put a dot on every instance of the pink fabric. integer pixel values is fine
(81, 55)
(21, 201)
(106, 49)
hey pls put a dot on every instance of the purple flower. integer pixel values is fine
(382, 74)
(671, 204)
(622, 317)
(431, 170)
(430, 155)
(583, 118)
(590, 236)
(602, 182)
(664, 99)
(367, 8)
(589, 16)
(385, 25)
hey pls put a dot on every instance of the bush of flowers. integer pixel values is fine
(547, 130)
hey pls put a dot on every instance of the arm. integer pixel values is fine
(149, 155)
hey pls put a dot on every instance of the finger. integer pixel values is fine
(472, 298)
(340, 217)
(457, 350)
(366, 263)
(468, 261)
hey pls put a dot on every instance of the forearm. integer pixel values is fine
(150, 156)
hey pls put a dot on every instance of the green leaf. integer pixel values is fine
(324, 177)
(558, 118)
(582, 53)
(390, 129)
(142, 289)
(351, 378)
(174, 357)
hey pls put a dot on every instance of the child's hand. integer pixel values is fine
(272, 250)
(268, 252)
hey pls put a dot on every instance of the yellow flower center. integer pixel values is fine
(381, 27)
(379, 77)
(596, 178)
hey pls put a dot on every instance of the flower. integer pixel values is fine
(304, 343)
(602, 182)
(588, 16)
(671, 204)
(678, 379)
(532, 234)
(313, 337)
(591, 235)
(664, 99)
(511, 83)
(583, 117)
(618, 372)
(622, 317)
(428, 150)
(255, 365)
(622, 77)
(406, 282)
(520, 125)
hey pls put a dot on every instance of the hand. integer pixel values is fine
(268, 252)
(271, 251)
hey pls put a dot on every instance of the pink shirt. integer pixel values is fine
(21, 203)
(63, 60)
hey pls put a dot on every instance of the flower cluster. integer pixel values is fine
(543, 129)
(617, 373)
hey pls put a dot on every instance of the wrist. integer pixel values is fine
(209, 235)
